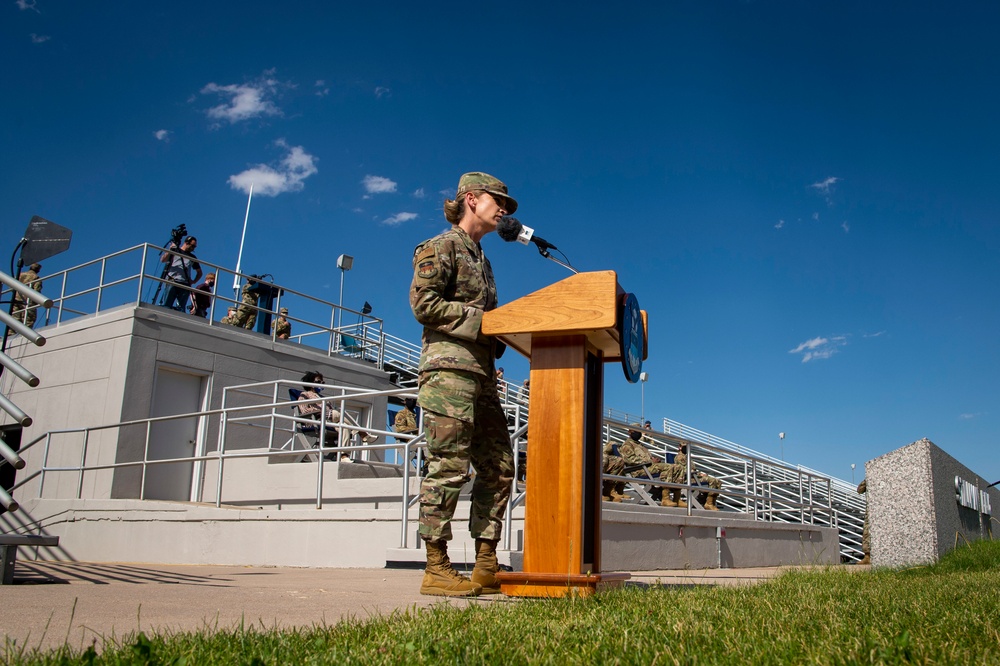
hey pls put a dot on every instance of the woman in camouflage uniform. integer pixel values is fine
(451, 290)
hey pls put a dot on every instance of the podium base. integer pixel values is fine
(525, 584)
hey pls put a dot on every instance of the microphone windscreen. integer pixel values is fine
(508, 228)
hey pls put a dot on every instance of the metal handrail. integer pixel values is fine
(763, 492)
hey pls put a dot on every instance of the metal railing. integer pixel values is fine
(135, 275)
(751, 483)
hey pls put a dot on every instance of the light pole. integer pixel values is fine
(852, 472)
(344, 263)
(781, 437)
(643, 378)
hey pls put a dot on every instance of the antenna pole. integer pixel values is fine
(239, 257)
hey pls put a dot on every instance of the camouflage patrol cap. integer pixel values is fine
(477, 180)
(283, 311)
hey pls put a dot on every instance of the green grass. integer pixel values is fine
(948, 613)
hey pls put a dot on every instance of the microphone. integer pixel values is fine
(510, 230)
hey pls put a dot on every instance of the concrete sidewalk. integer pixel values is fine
(52, 603)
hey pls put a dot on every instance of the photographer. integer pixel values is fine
(180, 264)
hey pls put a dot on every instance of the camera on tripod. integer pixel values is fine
(177, 234)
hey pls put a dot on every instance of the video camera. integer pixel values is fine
(177, 234)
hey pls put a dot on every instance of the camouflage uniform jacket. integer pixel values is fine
(635, 453)
(30, 279)
(281, 327)
(681, 460)
(452, 288)
(405, 422)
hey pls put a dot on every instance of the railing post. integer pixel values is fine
(83, 463)
(142, 273)
(223, 425)
(145, 458)
(404, 519)
(100, 284)
(45, 463)
(62, 299)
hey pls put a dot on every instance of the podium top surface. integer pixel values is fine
(582, 304)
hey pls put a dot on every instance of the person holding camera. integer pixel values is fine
(181, 262)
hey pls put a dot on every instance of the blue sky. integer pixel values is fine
(801, 194)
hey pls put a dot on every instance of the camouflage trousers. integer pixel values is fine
(25, 315)
(703, 479)
(465, 425)
(245, 317)
(612, 465)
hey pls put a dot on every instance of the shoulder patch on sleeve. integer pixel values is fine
(425, 262)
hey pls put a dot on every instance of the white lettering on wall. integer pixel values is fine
(971, 497)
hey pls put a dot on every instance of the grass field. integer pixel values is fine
(948, 613)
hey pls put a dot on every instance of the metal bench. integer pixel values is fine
(8, 551)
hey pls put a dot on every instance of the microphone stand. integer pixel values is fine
(545, 253)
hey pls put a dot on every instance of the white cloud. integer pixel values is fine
(378, 185)
(874, 335)
(419, 193)
(286, 176)
(969, 416)
(399, 218)
(39, 39)
(382, 91)
(162, 135)
(825, 188)
(780, 224)
(815, 217)
(819, 347)
(25, 4)
(845, 226)
(247, 100)
(322, 90)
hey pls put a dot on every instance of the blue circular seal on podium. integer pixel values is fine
(631, 338)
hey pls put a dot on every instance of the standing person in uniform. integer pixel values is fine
(24, 310)
(464, 422)
(281, 326)
(246, 313)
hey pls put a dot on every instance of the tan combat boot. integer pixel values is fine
(440, 578)
(487, 567)
(668, 499)
(710, 502)
(679, 498)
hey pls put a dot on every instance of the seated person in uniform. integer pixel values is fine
(680, 460)
(634, 453)
(336, 435)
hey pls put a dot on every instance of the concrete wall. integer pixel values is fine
(82, 370)
(102, 369)
(639, 538)
(914, 514)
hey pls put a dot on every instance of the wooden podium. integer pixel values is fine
(568, 331)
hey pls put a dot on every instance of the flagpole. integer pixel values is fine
(239, 258)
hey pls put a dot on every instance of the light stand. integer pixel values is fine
(344, 262)
(643, 378)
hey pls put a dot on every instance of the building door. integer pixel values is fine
(175, 392)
